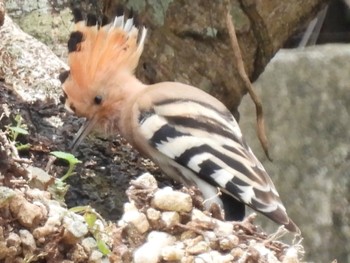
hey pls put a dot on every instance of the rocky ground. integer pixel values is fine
(158, 225)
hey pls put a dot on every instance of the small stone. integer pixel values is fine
(78, 254)
(2, 238)
(145, 181)
(291, 256)
(37, 194)
(229, 242)
(193, 241)
(27, 240)
(150, 252)
(161, 237)
(210, 235)
(189, 234)
(223, 229)
(40, 179)
(188, 259)
(153, 214)
(138, 219)
(259, 251)
(147, 253)
(89, 244)
(75, 228)
(13, 240)
(198, 248)
(50, 227)
(27, 214)
(169, 200)
(170, 219)
(5, 195)
(130, 206)
(237, 253)
(172, 253)
(4, 250)
(198, 215)
(213, 257)
(95, 257)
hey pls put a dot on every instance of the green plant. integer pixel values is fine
(60, 188)
(70, 158)
(14, 131)
(91, 217)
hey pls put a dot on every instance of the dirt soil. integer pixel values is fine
(107, 164)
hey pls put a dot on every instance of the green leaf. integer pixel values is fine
(18, 130)
(102, 246)
(90, 219)
(66, 156)
(22, 147)
(79, 209)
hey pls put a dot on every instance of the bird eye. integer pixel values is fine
(98, 100)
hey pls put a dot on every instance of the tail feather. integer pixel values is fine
(279, 215)
(292, 227)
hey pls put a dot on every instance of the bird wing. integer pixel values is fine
(199, 133)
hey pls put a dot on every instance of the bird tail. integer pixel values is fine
(97, 49)
(292, 227)
(279, 215)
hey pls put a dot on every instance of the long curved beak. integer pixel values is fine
(84, 130)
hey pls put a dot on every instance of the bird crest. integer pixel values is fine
(98, 50)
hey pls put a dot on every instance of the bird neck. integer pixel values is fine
(129, 85)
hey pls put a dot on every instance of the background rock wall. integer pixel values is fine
(306, 98)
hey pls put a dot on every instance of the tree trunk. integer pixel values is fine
(189, 42)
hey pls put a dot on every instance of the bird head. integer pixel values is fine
(102, 58)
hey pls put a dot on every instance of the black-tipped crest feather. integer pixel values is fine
(91, 20)
(74, 39)
(78, 15)
(104, 20)
(63, 76)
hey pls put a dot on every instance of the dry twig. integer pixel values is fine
(240, 67)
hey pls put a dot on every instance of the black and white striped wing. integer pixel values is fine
(209, 143)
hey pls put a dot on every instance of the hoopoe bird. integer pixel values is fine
(189, 134)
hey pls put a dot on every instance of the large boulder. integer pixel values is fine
(306, 98)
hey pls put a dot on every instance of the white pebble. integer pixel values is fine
(169, 200)
(146, 181)
(213, 257)
(198, 248)
(223, 228)
(291, 256)
(161, 237)
(27, 239)
(75, 225)
(173, 253)
(129, 206)
(170, 219)
(264, 252)
(229, 242)
(137, 219)
(150, 251)
(153, 214)
(95, 256)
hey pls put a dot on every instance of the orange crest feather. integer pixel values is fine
(104, 51)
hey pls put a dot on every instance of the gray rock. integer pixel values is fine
(306, 99)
